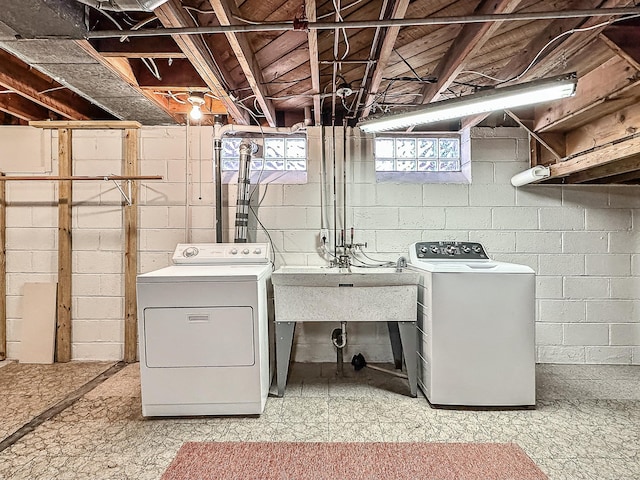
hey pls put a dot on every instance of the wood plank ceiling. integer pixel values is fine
(279, 62)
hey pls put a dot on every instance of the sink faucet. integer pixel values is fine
(400, 264)
(344, 261)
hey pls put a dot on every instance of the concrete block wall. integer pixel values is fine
(583, 241)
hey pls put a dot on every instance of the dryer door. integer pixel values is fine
(199, 337)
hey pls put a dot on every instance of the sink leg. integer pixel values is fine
(409, 337)
(284, 341)
(396, 345)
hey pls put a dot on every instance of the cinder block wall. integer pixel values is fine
(583, 241)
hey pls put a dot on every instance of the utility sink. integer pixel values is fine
(312, 276)
(356, 294)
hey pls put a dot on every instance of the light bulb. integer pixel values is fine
(196, 113)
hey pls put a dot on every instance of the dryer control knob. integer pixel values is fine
(257, 251)
(245, 251)
(234, 251)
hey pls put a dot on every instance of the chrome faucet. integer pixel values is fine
(400, 264)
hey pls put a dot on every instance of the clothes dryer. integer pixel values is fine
(203, 330)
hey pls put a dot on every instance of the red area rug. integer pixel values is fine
(352, 461)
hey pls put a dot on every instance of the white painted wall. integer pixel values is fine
(584, 242)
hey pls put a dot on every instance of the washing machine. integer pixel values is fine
(203, 331)
(476, 320)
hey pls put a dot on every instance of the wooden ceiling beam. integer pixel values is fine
(604, 88)
(22, 108)
(563, 47)
(17, 76)
(389, 41)
(624, 41)
(138, 47)
(314, 63)
(225, 12)
(171, 14)
(603, 130)
(121, 67)
(468, 42)
(603, 172)
(597, 157)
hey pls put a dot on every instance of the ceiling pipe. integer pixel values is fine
(124, 5)
(220, 130)
(392, 22)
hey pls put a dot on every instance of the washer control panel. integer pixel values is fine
(449, 251)
(220, 253)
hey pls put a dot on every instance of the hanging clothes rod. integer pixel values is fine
(82, 177)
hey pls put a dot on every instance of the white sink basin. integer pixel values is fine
(341, 277)
(315, 294)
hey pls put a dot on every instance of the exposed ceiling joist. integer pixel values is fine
(616, 169)
(468, 42)
(172, 15)
(18, 76)
(604, 87)
(563, 47)
(145, 47)
(314, 63)
(388, 43)
(598, 157)
(120, 67)
(21, 107)
(244, 53)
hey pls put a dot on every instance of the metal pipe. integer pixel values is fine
(217, 154)
(242, 202)
(335, 199)
(344, 183)
(392, 22)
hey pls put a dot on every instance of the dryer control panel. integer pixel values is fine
(220, 253)
(448, 251)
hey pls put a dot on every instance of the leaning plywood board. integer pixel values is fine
(38, 323)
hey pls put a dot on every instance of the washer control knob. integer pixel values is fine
(451, 250)
(434, 249)
(477, 249)
(245, 251)
(423, 249)
(257, 251)
(466, 249)
(234, 251)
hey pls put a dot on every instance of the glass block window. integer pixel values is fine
(277, 154)
(417, 154)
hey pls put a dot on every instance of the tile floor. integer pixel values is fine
(586, 424)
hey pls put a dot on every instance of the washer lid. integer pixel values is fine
(480, 267)
(206, 273)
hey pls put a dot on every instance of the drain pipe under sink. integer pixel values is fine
(339, 340)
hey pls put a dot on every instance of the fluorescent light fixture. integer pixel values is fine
(197, 101)
(537, 91)
(534, 174)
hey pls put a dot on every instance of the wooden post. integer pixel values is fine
(3, 272)
(63, 330)
(130, 167)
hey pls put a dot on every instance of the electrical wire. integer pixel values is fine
(346, 7)
(344, 31)
(153, 68)
(225, 85)
(139, 25)
(535, 59)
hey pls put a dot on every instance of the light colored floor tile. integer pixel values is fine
(355, 432)
(302, 410)
(585, 425)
